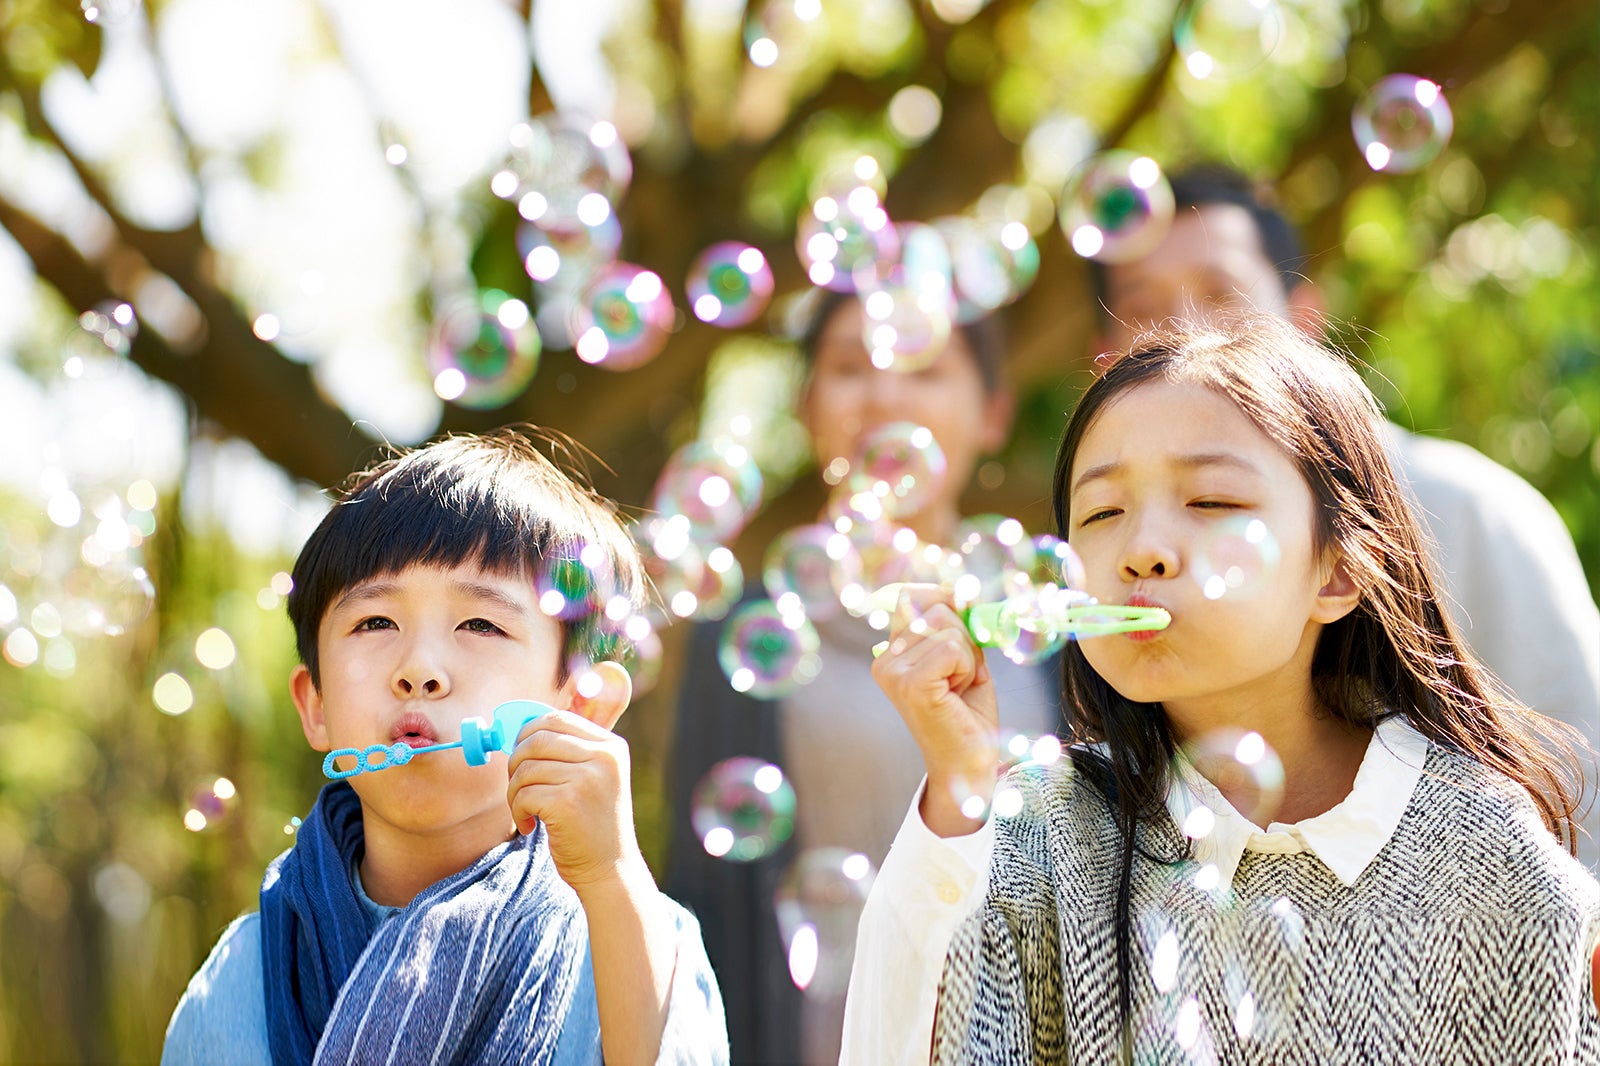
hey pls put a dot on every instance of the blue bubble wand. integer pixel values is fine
(480, 738)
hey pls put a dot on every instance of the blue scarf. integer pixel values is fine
(483, 966)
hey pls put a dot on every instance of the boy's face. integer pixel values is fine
(408, 656)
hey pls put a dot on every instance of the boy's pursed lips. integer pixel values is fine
(414, 729)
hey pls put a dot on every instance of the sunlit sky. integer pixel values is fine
(277, 99)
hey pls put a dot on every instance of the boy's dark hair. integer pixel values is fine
(1213, 183)
(492, 500)
(984, 336)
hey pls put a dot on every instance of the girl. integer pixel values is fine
(1414, 900)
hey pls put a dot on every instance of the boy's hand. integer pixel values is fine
(573, 775)
(937, 679)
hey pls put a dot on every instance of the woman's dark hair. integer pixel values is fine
(492, 500)
(985, 337)
(1396, 653)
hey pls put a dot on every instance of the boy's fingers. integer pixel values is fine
(558, 721)
(557, 746)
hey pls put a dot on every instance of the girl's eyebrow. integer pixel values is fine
(1194, 460)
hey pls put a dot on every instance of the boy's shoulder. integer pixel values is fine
(222, 1016)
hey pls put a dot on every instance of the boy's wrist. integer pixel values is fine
(629, 875)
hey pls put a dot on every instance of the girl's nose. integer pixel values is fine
(1149, 553)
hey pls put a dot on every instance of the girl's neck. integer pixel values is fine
(1320, 754)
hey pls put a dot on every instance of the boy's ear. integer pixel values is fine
(1338, 596)
(601, 703)
(308, 701)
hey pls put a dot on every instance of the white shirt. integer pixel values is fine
(929, 884)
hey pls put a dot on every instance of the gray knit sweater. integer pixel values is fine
(1467, 940)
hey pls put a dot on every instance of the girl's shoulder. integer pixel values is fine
(1489, 831)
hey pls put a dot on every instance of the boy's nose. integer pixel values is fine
(418, 676)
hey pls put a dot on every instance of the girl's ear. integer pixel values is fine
(308, 701)
(600, 693)
(1338, 596)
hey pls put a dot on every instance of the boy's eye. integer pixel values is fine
(375, 622)
(480, 625)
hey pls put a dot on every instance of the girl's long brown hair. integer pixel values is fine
(1396, 653)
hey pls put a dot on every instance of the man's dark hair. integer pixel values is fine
(984, 336)
(492, 500)
(1212, 183)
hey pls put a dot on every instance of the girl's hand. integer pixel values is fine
(573, 775)
(937, 679)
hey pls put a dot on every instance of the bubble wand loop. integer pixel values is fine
(480, 738)
(991, 625)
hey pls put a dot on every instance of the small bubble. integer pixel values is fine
(1116, 207)
(742, 809)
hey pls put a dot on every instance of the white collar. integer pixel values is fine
(1346, 838)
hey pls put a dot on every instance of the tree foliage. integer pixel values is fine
(1469, 286)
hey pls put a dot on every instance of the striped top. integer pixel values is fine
(1466, 938)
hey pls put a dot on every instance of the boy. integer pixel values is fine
(438, 911)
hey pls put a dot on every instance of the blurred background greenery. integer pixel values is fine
(286, 192)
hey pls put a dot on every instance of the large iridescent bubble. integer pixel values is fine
(769, 652)
(742, 809)
(843, 236)
(1402, 124)
(818, 906)
(1116, 207)
(729, 284)
(1221, 39)
(716, 486)
(562, 168)
(623, 318)
(807, 565)
(902, 465)
(484, 352)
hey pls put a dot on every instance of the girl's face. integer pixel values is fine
(1178, 500)
(847, 397)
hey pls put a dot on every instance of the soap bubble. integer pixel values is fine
(210, 804)
(623, 318)
(1027, 630)
(557, 161)
(844, 236)
(742, 809)
(989, 549)
(1265, 957)
(715, 486)
(818, 905)
(729, 284)
(1056, 561)
(637, 646)
(904, 328)
(694, 580)
(881, 554)
(1402, 123)
(809, 564)
(568, 586)
(786, 31)
(1237, 558)
(569, 253)
(902, 465)
(1116, 207)
(483, 354)
(1243, 766)
(992, 263)
(768, 652)
(1225, 38)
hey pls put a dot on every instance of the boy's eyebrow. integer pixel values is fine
(1193, 460)
(485, 592)
(376, 590)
